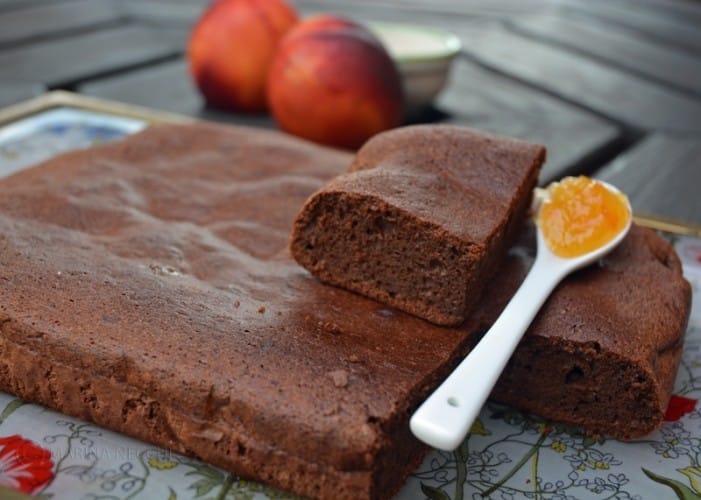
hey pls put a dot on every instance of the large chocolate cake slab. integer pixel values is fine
(147, 286)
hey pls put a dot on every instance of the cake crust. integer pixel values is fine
(146, 286)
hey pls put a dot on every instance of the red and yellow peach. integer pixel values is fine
(333, 82)
(231, 48)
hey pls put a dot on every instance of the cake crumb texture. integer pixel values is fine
(422, 219)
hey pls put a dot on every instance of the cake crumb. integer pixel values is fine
(237, 304)
(353, 358)
(210, 434)
(385, 313)
(339, 377)
(261, 309)
(333, 409)
(330, 327)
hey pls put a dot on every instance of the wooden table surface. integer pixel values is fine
(612, 87)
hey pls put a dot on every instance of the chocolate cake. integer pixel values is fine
(147, 286)
(422, 220)
(585, 347)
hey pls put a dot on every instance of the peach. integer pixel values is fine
(333, 82)
(231, 48)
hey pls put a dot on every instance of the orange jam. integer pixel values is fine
(581, 215)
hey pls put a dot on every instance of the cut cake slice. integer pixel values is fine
(423, 219)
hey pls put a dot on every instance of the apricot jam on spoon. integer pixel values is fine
(579, 222)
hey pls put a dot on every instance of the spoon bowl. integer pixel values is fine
(445, 418)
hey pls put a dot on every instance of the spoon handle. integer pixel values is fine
(446, 417)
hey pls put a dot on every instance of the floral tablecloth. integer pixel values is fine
(507, 454)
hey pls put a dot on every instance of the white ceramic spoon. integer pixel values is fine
(445, 418)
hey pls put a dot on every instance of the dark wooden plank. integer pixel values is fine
(167, 87)
(67, 60)
(481, 99)
(649, 13)
(660, 24)
(164, 86)
(13, 92)
(7, 5)
(594, 85)
(618, 48)
(188, 10)
(184, 12)
(672, 21)
(473, 8)
(688, 10)
(662, 176)
(35, 22)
